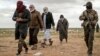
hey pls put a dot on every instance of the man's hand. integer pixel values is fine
(19, 19)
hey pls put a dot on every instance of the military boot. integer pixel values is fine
(51, 42)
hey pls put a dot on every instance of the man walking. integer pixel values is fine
(90, 18)
(48, 20)
(34, 26)
(62, 27)
(22, 17)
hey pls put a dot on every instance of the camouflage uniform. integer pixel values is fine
(90, 19)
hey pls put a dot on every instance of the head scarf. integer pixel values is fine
(62, 18)
(45, 10)
(32, 8)
(20, 7)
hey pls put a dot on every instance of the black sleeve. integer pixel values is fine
(14, 16)
(27, 19)
(52, 20)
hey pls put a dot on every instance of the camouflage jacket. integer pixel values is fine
(89, 16)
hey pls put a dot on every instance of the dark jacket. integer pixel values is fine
(49, 20)
(22, 26)
(25, 16)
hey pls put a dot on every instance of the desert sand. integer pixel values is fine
(74, 47)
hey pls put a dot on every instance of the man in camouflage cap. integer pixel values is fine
(90, 18)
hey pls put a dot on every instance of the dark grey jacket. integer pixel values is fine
(25, 16)
(22, 26)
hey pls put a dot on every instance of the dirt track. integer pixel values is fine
(74, 47)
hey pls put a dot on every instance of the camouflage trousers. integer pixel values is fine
(20, 34)
(22, 44)
(89, 37)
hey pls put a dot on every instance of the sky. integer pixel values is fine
(71, 9)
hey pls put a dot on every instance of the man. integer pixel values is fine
(34, 25)
(22, 17)
(47, 21)
(62, 27)
(90, 18)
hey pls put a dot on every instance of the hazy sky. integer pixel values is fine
(71, 9)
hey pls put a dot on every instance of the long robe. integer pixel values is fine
(62, 27)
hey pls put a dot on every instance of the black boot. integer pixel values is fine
(44, 43)
(26, 50)
(51, 42)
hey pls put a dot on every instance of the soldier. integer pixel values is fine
(34, 25)
(47, 22)
(90, 18)
(22, 17)
(62, 27)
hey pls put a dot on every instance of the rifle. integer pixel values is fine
(89, 22)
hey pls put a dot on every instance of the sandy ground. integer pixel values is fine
(75, 47)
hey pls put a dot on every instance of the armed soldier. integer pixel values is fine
(90, 18)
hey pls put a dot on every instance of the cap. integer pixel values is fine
(88, 4)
